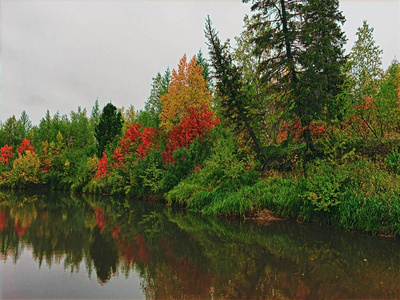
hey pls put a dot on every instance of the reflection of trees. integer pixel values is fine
(181, 255)
(104, 254)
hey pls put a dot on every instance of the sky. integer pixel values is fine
(57, 55)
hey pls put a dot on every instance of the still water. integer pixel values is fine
(70, 247)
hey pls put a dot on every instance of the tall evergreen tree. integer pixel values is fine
(25, 122)
(305, 42)
(95, 114)
(232, 101)
(109, 127)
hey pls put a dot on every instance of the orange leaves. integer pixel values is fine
(187, 89)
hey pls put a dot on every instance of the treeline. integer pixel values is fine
(281, 120)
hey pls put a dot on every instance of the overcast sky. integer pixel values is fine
(61, 54)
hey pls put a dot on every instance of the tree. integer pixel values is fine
(95, 114)
(159, 87)
(129, 117)
(187, 89)
(202, 62)
(232, 100)
(12, 132)
(25, 123)
(248, 58)
(150, 116)
(109, 127)
(304, 64)
(364, 65)
(196, 123)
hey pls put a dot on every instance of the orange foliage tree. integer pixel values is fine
(187, 89)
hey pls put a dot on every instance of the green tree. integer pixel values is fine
(232, 103)
(305, 42)
(364, 65)
(202, 62)
(149, 117)
(12, 132)
(25, 123)
(95, 114)
(109, 127)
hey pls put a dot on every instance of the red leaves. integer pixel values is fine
(194, 124)
(25, 146)
(6, 154)
(102, 169)
(100, 219)
(118, 157)
(130, 138)
(146, 138)
(295, 129)
(367, 104)
(46, 167)
(3, 220)
(133, 142)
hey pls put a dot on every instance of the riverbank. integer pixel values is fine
(348, 189)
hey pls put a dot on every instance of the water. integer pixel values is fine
(57, 246)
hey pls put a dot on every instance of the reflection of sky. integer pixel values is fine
(25, 280)
(59, 55)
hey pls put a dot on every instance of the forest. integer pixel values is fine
(280, 119)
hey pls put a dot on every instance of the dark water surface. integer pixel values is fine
(70, 247)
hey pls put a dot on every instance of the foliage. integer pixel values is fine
(364, 65)
(305, 65)
(196, 123)
(109, 127)
(187, 89)
(6, 154)
(102, 169)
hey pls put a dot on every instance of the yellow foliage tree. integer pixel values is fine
(187, 89)
(26, 169)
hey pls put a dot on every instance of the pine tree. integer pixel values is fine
(109, 127)
(232, 101)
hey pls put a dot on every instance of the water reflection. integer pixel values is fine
(182, 255)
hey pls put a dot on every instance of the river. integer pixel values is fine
(84, 247)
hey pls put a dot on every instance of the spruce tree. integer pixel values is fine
(305, 43)
(232, 102)
(109, 127)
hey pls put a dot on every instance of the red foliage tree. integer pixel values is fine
(194, 124)
(25, 146)
(118, 157)
(6, 154)
(146, 139)
(130, 138)
(102, 169)
(134, 141)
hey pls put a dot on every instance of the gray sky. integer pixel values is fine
(61, 54)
